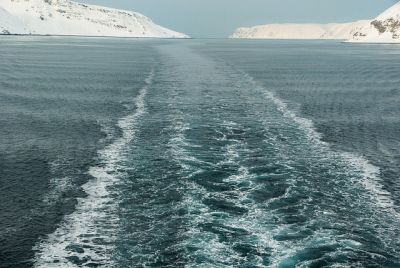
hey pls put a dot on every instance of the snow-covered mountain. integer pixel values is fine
(10, 24)
(300, 31)
(384, 29)
(65, 17)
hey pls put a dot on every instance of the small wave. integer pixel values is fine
(205, 223)
(370, 173)
(58, 187)
(87, 235)
(371, 181)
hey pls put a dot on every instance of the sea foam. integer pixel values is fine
(370, 174)
(87, 235)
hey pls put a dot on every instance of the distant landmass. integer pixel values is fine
(383, 29)
(301, 31)
(64, 17)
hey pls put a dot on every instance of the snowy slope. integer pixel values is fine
(10, 24)
(300, 31)
(384, 29)
(64, 17)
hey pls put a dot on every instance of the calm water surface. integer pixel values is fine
(198, 153)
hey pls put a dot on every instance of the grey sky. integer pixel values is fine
(218, 18)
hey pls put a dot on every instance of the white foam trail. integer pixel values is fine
(87, 235)
(371, 182)
(58, 187)
(217, 252)
(370, 174)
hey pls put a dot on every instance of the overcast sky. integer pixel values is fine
(218, 18)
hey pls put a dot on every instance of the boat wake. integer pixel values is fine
(87, 235)
(262, 187)
(228, 176)
(369, 178)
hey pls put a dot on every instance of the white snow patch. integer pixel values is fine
(300, 31)
(383, 29)
(65, 17)
(10, 24)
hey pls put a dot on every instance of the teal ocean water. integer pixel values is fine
(198, 153)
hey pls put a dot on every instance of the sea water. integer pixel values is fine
(198, 153)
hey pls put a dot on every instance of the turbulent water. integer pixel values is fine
(198, 153)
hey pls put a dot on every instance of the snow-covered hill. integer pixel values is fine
(10, 24)
(384, 29)
(64, 17)
(300, 31)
